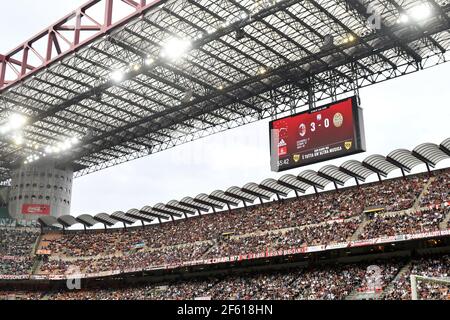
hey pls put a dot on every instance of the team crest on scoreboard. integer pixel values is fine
(348, 145)
(296, 157)
(338, 120)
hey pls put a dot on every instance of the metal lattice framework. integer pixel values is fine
(246, 60)
(426, 154)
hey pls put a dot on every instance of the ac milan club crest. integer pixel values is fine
(302, 130)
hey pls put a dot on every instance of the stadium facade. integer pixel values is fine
(170, 72)
(333, 241)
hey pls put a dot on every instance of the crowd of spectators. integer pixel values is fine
(321, 219)
(438, 191)
(139, 260)
(332, 282)
(206, 228)
(17, 241)
(428, 267)
(312, 220)
(420, 221)
(15, 250)
(394, 195)
(21, 295)
(80, 244)
(378, 276)
(254, 244)
(16, 267)
(294, 238)
(178, 290)
(328, 282)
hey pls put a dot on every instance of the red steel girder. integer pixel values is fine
(53, 35)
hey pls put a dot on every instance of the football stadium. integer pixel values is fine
(346, 201)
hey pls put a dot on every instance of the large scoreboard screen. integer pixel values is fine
(331, 131)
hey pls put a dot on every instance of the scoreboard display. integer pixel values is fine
(328, 132)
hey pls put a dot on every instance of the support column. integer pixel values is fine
(40, 190)
(428, 168)
(413, 280)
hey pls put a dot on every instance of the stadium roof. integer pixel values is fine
(241, 195)
(95, 91)
(333, 173)
(178, 206)
(126, 218)
(401, 159)
(49, 221)
(404, 159)
(379, 164)
(430, 153)
(445, 146)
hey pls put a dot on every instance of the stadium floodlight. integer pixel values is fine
(348, 39)
(135, 67)
(226, 24)
(65, 145)
(175, 48)
(417, 13)
(403, 18)
(149, 61)
(74, 140)
(117, 75)
(420, 12)
(15, 122)
(211, 30)
(244, 16)
(262, 70)
(18, 139)
(62, 146)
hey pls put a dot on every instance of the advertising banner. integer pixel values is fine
(39, 209)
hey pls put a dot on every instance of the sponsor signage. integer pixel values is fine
(38, 209)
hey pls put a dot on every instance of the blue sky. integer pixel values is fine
(398, 114)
